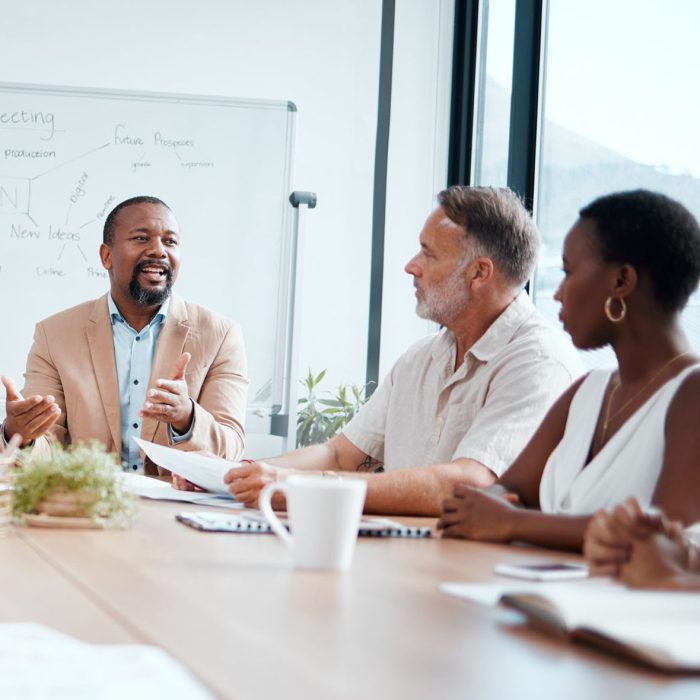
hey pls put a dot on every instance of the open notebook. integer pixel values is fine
(659, 628)
(252, 521)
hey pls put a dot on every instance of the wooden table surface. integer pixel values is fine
(231, 609)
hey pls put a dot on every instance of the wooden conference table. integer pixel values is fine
(230, 608)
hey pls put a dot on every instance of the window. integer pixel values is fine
(492, 103)
(620, 100)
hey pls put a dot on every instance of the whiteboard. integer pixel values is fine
(224, 166)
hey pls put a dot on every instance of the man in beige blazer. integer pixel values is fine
(137, 361)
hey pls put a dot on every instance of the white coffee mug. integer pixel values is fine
(324, 515)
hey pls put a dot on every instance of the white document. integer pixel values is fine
(201, 470)
(159, 490)
(491, 593)
(38, 662)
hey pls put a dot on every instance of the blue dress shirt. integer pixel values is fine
(133, 354)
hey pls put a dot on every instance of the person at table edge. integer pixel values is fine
(643, 549)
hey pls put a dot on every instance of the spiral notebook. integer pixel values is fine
(255, 523)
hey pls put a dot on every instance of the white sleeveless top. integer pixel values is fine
(629, 463)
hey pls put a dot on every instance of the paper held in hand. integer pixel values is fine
(202, 470)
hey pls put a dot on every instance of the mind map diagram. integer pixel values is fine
(56, 188)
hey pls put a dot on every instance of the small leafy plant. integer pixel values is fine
(88, 473)
(319, 419)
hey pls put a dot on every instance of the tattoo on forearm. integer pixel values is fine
(370, 465)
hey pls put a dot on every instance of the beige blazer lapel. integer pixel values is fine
(101, 343)
(171, 344)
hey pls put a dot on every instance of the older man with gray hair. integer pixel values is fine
(459, 405)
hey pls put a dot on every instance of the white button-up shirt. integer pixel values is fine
(425, 412)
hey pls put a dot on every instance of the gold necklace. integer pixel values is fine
(608, 417)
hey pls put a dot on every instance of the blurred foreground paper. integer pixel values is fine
(38, 662)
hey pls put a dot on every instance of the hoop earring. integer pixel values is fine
(608, 310)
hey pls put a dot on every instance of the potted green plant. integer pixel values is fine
(319, 419)
(81, 484)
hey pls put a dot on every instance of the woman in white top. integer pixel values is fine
(631, 262)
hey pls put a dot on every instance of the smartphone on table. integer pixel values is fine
(543, 571)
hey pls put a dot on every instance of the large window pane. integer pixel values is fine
(621, 100)
(494, 81)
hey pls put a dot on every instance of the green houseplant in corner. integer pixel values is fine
(319, 419)
(81, 482)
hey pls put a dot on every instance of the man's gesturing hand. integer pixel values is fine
(31, 417)
(170, 402)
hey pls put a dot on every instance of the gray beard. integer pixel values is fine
(443, 304)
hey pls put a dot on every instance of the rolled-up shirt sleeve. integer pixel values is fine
(367, 430)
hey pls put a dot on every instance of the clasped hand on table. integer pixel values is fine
(478, 514)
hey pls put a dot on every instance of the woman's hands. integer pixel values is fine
(609, 536)
(488, 515)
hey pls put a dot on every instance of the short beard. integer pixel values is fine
(444, 303)
(149, 297)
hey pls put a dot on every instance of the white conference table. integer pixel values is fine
(231, 609)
